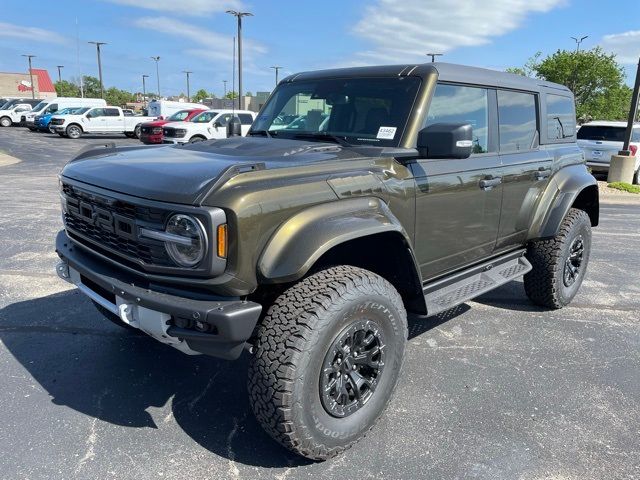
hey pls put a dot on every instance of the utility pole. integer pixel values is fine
(33, 87)
(188, 73)
(157, 59)
(225, 88)
(60, 67)
(276, 69)
(434, 55)
(239, 16)
(97, 44)
(579, 41)
(144, 89)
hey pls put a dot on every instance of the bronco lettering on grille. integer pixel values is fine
(103, 218)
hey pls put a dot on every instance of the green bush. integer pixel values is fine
(626, 187)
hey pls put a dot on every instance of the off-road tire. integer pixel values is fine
(73, 131)
(545, 284)
(115, 319)
(293, 341)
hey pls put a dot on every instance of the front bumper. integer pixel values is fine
(174, 140)
(229, 321)
(151, 138)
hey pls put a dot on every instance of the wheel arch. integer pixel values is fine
(360, 232)
(74, 124)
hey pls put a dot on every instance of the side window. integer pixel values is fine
(53, 108)
(517, 121)
(635, 135)
(245, 118)
(111, 112)
(224, 119)
(96, 112)
(561, 117)
(461, 104)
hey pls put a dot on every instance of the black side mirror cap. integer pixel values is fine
(446, 140)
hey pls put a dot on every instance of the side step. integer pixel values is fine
(459, 287)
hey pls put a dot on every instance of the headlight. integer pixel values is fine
(188, 247)
(180, 132)
(156, 130)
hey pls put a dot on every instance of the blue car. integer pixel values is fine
(41, 122)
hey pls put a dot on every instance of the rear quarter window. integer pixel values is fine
(561, 117)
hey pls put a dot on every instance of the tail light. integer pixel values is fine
(633, 149)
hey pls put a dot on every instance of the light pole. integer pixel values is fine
(579, 41)
(157, 59)
(187, 72)
(60, 67)
(97, 44)
(225, 88)
(276, 69)
(33, 88)
(434, 55)
(239, 16)
(144, 89)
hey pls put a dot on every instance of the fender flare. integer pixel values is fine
(301, 240)
(563, 191)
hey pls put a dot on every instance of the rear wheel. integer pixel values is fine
(137, 131)
(328, 357)
(5, 122)
(74, 131)
(559, 263)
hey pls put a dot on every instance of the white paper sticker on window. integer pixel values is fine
(386, 133)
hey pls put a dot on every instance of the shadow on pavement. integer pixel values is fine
(103, 371)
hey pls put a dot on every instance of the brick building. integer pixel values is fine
(19, 84)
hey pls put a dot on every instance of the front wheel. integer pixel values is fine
(328, 357)
(559, 263)
(74, 131)
(5, 122)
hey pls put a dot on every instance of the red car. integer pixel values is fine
(151, 132)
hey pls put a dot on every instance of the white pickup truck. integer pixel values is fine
(12, 114)
(206, 126)
(98, 120)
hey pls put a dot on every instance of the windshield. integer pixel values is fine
(179, 116)
(40, 106)
(204, 117)
(370, 111)
(606, 133)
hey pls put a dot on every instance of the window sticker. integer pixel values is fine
(386, 133)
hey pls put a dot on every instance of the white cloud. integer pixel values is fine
(31, 33)
(407, 29)
(183, 7)
(625, 45)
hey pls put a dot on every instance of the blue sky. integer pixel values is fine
(300, 35)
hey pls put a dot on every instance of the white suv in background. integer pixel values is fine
(599, 140)
(211, 124)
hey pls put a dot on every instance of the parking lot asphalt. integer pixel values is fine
(497, 388)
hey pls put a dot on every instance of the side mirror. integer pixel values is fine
(234, 128)
(446, 140)
(217, 125)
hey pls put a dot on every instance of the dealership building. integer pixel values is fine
(19, 84)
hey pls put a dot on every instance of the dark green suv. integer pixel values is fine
(359, 195)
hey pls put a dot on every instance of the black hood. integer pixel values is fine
(182, 174)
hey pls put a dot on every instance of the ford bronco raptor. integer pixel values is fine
(358, 196)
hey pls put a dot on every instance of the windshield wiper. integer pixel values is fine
(324, 136)
(264, 133)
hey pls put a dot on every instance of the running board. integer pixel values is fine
(459, 287)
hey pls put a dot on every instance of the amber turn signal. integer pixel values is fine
(222, 240)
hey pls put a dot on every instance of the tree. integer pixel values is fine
(67, 89)
(595, 78)
(200, 95)
(116, 97)
(231, 95)
(248, 94)
(91, 86)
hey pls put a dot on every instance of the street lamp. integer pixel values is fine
(188, 73)
(225, 88)
(157, 59)
(60, 67)
(579, 41)
(276, 69)
(144, 89)
(434, 55)
(33, 88)
(97, 44)
(239, 16)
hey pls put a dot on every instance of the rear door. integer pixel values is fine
(526, 168)
(599, 142)
(458, 201)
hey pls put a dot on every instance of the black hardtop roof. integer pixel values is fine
(447, 72)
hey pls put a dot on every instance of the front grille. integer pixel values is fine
(174, 132)
(103, 211)
(57, 121)
(146, 130)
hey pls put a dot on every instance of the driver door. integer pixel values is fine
(95, 121)
(458, 201)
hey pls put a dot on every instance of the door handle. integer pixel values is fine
(543, 173)
(489, 183)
